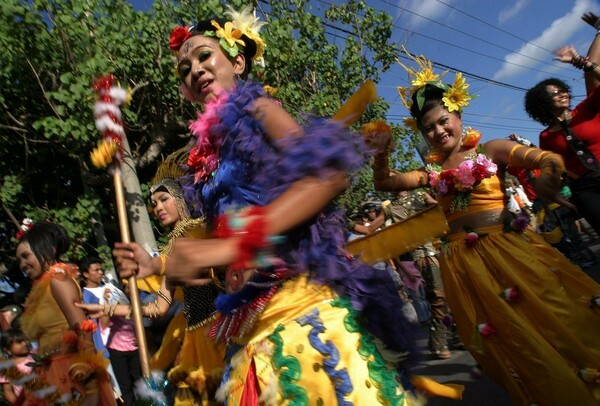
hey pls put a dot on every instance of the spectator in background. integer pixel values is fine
(574, 133)
(93, 275)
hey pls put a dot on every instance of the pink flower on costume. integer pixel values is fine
(464, 175)
(486, 330)
(511, 294)
(483, 160)
(433, 179)
(471, 239)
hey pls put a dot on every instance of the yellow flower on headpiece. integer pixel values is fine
(457, 96)
(411, 124)
(249, 25)
(424, 74)
(231, 35)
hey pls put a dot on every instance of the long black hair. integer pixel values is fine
(538, 101)
(48, 241)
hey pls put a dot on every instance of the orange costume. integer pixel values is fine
(68, 361)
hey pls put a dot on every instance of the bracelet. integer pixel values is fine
(590, 67)
(109, 309)
(252, 244)
(579, 62)
(216, 280)
(163, 264)
(252, 233)
(164, 297)
(151, 310)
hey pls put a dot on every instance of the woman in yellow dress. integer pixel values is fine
(200, 362)
(528, 316)
(68, 369)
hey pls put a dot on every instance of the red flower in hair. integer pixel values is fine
(179, 35)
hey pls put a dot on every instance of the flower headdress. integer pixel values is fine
(455, 97)
(233, 35)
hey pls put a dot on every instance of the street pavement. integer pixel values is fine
(479, 389)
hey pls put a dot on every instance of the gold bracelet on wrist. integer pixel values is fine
(165, 297)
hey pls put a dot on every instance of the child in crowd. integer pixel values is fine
(16, 346)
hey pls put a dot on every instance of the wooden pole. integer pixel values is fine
(133, 289)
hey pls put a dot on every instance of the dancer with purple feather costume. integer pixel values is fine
(305, 322)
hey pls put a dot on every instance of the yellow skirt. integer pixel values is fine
(199, 367)
(543, 345)
(306, 347)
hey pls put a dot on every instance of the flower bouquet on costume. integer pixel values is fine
(462, 179)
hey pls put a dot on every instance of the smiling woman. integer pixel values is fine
(522, 309)
(74, 371)
(574, 133)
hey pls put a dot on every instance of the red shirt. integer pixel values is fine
(585, 123)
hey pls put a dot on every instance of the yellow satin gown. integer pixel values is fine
(542, 347)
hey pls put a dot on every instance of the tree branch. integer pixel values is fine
(42, 88)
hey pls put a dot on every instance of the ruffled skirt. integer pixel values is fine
(306, 347)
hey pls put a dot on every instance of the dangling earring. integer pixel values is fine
(237, 77)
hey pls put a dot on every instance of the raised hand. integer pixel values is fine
(592, 19)
(566, 54)
(379, 143)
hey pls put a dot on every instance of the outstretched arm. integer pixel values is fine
(551, 165)
(589, 63)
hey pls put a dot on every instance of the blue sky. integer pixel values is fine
(503, 47)
(509, 42)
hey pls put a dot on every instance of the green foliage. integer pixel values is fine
(54, 49)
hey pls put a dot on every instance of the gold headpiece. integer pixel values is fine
(455, 97)
(167, 175)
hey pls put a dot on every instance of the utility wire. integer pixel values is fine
(470, 35)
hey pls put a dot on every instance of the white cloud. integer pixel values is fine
(426, 8)
(512, 11)
(559, 33)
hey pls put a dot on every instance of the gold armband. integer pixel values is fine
(552, 164)
(165, 297)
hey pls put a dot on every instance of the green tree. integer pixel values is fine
(52, 50)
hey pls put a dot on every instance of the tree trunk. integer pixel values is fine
(139, 219)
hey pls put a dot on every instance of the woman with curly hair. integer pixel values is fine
(573, 133)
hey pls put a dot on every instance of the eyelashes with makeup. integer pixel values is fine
(184, 70)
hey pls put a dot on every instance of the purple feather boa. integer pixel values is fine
(253, 170)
